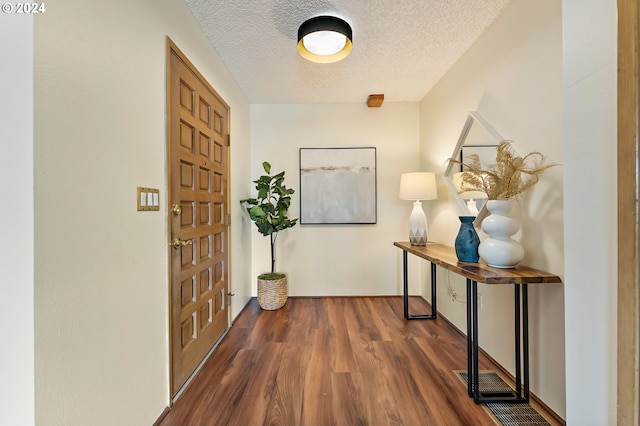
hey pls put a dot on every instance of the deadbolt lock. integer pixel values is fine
(176, 209)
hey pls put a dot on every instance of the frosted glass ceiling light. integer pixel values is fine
(324, 39)
(324, 42)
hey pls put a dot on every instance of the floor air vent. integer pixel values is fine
(507, 414)
(517, 414)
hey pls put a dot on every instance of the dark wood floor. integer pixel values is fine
(333, 361)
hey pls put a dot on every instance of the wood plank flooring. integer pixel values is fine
(333, 361)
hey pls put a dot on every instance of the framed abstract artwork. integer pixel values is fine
(338, 186)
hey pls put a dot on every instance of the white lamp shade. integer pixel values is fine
(418, 186)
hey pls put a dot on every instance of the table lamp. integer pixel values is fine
(418, 186)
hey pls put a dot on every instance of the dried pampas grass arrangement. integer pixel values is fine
(512, 175)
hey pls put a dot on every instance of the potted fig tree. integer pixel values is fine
(269, 211)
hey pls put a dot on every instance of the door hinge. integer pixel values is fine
(229, 296)
(228, 219)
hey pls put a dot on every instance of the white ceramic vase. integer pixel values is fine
(499, 249)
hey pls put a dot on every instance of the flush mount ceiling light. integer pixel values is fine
(324, 39)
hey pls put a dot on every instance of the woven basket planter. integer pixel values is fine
(272, 294)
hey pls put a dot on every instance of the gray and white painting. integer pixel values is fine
(337, 185)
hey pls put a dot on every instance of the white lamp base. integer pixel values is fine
(417, 225)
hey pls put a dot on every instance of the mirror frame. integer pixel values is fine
(474, 117)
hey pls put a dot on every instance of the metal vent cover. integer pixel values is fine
(508, 414)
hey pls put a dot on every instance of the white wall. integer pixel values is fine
(101, 286)
(337, 259)
(512, 76)
(590, 73)
(16, 227)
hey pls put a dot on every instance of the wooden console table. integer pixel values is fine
(520, 277)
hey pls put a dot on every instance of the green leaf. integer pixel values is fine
(257, 211)
(249, 201)
(267, 167)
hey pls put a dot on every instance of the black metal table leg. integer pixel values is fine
(405, 295)
(405, 283)
(521, 351)
(434, 300)
(469, 342)
(517, 315)
(525, 339)
(475, 375)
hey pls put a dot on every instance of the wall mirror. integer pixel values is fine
(477, 137)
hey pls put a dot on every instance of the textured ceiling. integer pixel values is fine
(400, 47)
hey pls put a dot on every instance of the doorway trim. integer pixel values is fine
(628, 374)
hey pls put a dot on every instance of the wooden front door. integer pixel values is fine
(198, 129)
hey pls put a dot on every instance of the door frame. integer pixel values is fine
(628, 391)
(172, 48)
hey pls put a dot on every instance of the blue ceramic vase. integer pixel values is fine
(467, 241)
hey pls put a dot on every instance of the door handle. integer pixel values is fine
(176, 209)
(177, 243)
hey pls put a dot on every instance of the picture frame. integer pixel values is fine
(338, 186)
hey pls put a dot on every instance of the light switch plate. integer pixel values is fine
(148, 199)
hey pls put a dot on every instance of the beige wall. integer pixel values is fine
(338, 259)
(513, 77)
(590, 73)
(101, 339)
(16, 226)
